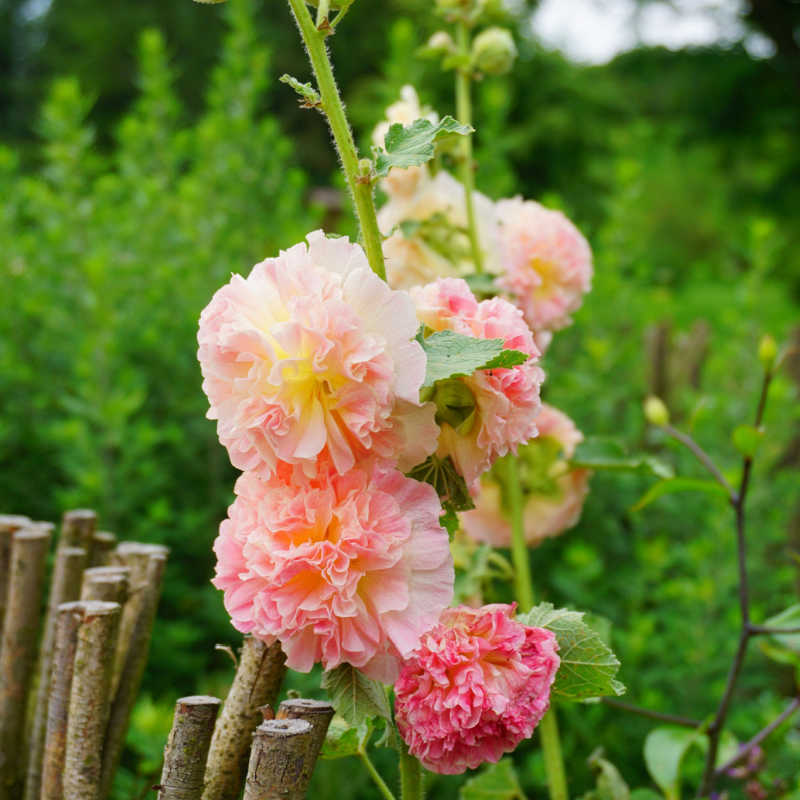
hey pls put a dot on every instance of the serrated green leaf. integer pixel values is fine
(664, 749)
(672, 485)
(413, 145)
(608, 454)
(588, 665)
(355, 696)
(450, 354)
(746, 439)
(495, 782)
(343, 740)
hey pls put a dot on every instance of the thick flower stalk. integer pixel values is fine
(554, 494)
(311, 358)
(546, 263)
(351, 568)
(506, 401)
(475, 688)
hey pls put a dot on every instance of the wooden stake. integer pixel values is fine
(65, 587)
(319, 714)
(68, 621)
(77, 528)
(257, 683)
(103, 544)
(9, 524)
(187, 748)
(89, 701)
(29, 549)
(133, 668)
(107, 584)
(278, 760)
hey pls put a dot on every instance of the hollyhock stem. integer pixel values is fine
(410, 777)
(464, 114)
(385, 791)
(548, 727)
(360, 184)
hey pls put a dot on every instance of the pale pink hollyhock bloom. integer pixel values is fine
(544, 515)
(403, 182)
(312, 356)
(347, 568)
(439, 247)
(546, 262)
(506, 400)
(475, 688)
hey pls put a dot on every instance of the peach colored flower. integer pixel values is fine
(340, 568)
(506, 400)
(437, 244)
(312, 356)
(475, 688)
(545, 514)
(546, 262)
(403, 182)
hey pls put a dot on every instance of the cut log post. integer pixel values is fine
(103, 543)
(77, 529)
(89, 701)
(106, 584)
(278, 760)
(68, 621)
(9, 524)
(316, 712)
(64, 588)
(256, 683)
(130, 679)
(29, 549)
(187, 748)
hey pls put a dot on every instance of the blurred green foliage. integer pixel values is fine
(127, 207)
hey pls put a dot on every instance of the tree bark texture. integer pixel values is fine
(107, 584)
(77, 529)
(319, 715)
(103, 544)
(277, 769)
(9, 524)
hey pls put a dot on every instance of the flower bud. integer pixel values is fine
(494, 51)
(767, 351)
(441, 43)
(655, 412)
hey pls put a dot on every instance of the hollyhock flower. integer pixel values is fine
(347, 568)
(434, 242)
(312, 357)
(554, 493)
(475, 688)
(506, 400)
(546, 262)
(403, 182)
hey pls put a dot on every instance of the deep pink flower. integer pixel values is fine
(312, 357)
(506, 400)
(340, 568)
(475, 688)
(546, 262)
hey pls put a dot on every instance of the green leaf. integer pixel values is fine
(664, 749)
(746, 439)
(495, 782)
(344, 740)
(481, 284)
(603, 453)
(783, 647)
(307, 92)
(643, 793)
(448, 482)
(672, 485)
(413, 145)
(610, 784)
(450, 354)
(354, 696)
(588, 665)
(449, 521)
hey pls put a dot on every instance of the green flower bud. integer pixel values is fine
(441, 43)
(767, 351)
(494, 51)
(655, 412)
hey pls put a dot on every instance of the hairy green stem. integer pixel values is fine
(548, 727)
(464, 114)
(360, 185)
(410, 777)
(385, 791)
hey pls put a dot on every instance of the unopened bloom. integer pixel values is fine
(312, 357)
(477, 686)
(546, 262)
(427, 232)
(554, 492)
(341, 568)
(506, 400)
